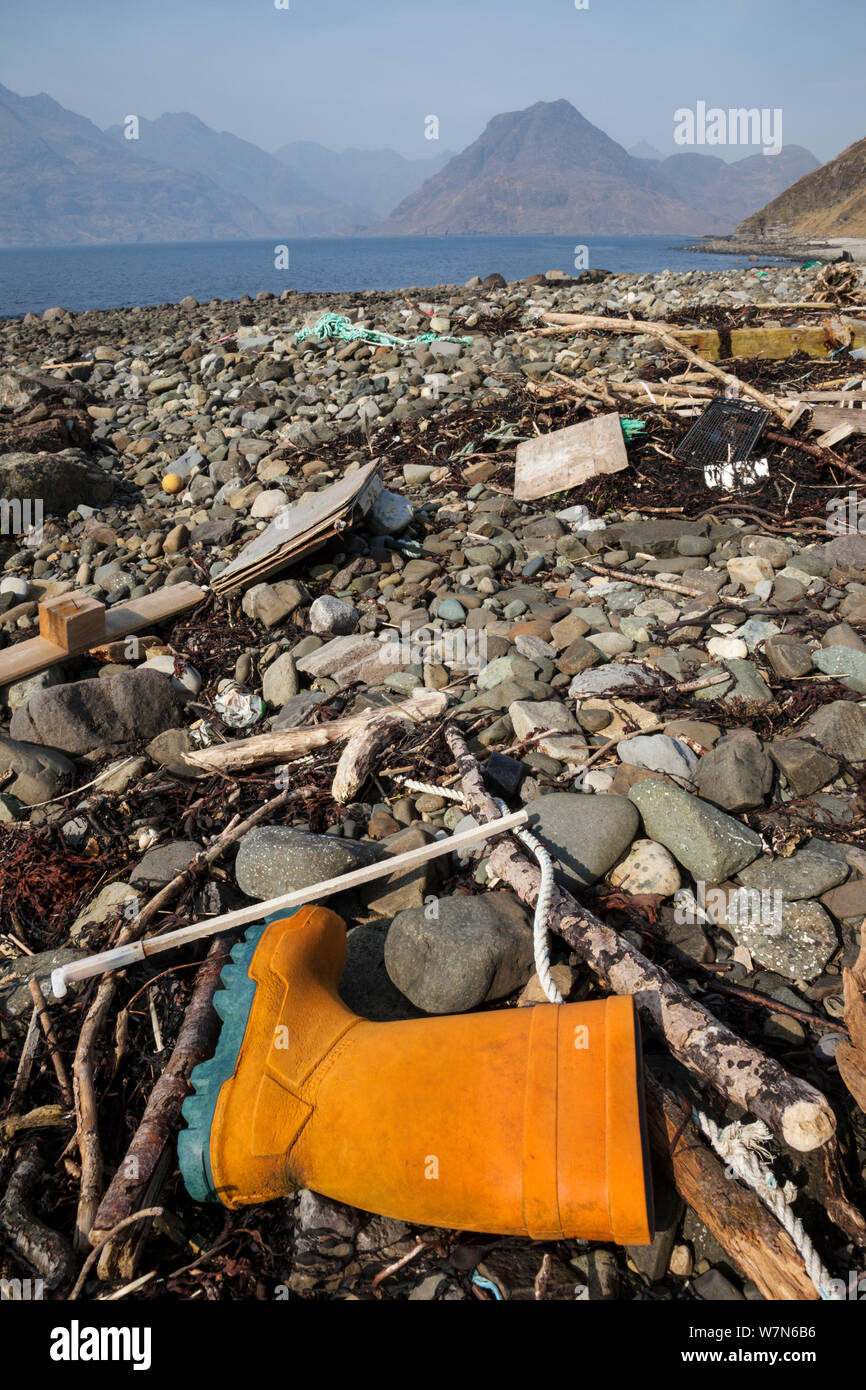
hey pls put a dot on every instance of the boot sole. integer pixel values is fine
(233, 1003)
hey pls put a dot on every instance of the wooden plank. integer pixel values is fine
(827, 417)
(37, 653)
(771, 344)
(566, 458)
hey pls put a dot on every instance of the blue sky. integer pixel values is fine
(368, 72)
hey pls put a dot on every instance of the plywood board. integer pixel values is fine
(37, 653)
(566, 458)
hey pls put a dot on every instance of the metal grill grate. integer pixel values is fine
(725, 433)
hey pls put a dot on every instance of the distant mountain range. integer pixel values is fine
(830, 202)
(542, 170)
(373, 179)
(548, 170)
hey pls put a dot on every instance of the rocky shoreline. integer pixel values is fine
(787, 248)
(718, 676)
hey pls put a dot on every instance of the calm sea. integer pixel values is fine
(109, 277)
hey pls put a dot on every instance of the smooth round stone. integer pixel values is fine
(188, 680)
(611, 643)
(726, 647)
(15, 585)
(514, 609)
(451, 610)
(648, 868)
(267, 504)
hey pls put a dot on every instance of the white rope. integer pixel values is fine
(540, 935)
(743, 1147)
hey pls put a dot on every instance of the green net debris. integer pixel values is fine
(338, 326)
(631, 427)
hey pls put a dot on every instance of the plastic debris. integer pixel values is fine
(239, 707)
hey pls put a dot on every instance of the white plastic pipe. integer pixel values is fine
(120, 956)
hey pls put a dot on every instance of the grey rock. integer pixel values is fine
(61, 481)
(110, 898)
(274, 859)
(840, 729)
(609, 679)
(297, 708)
(714, 1287)
(846, 551)
(710, 844)
(797, 943)
(659, 753)
(38, 771)
(475, 949)
(846, 663)
(807, 873)
(20, 692)
(358, 657)
(90, 714)
(788, 657)
(163, 863)
(332, 617)
(366, 986)
(736, 774)
(804, 766)
(585, 834)
(280, 681)
(271, 604)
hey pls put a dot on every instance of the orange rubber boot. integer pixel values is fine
(516, 1122)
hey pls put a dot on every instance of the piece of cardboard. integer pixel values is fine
(304, 527)
(568, 457)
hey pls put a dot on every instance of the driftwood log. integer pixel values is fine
(730, 1210)
(795, 1111)
(286, 744)
(45, 1250)
(361, 754)
(851, 1056)
(132, 1184)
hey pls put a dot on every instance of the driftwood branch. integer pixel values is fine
(851, 1056)
(730, 1211)
(51, 1040)
(161, 1116)
(361, 754)
(653, 330)
(793, 1109)
(45, 1250)
(284, 745)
